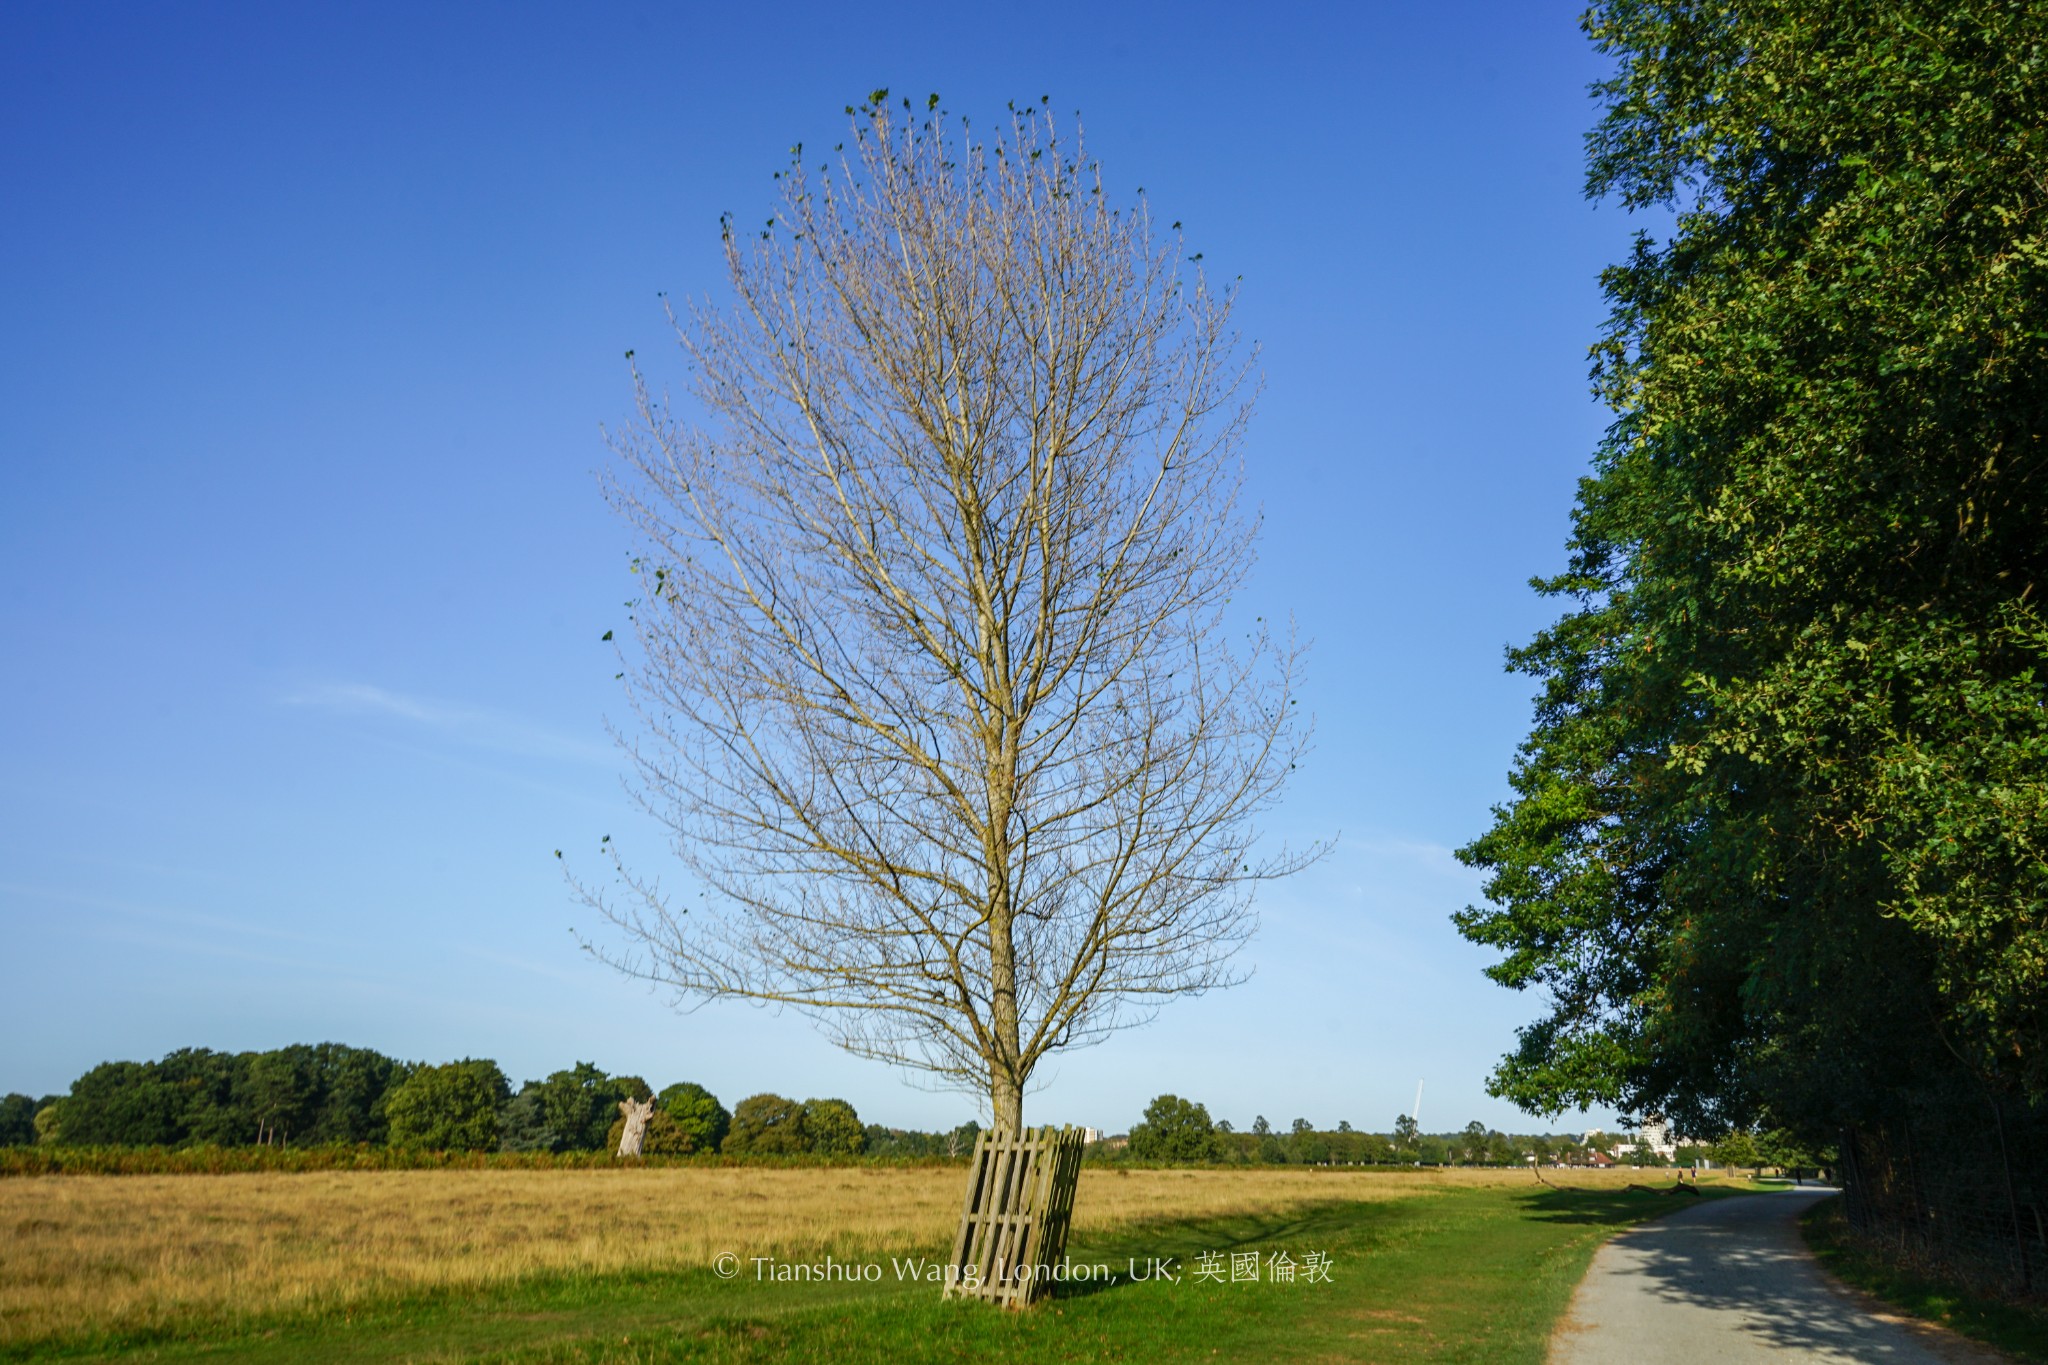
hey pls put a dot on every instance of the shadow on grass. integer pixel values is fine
(1610, 1206)
(1174, 1244)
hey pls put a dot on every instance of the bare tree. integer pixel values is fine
(930, 675)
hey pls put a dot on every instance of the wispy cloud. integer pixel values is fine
(475, 726)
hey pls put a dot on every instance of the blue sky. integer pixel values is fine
(313, 315)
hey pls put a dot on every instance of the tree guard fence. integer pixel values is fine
(1013, 1226)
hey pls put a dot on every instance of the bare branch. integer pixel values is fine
(931, 687)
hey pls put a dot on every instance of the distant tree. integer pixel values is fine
(300, 1093)
(767, 1125)
(1343, 1125)
(1473, 1141)
(123, 1104)
(1223, 1126)
(1174, 1129)
(960, 1142)
(522, 1127)
(1260, 1126)
(697, 1112)
(49, 1122)
(1787, 1152)
(1406, 1131)
(353, 1083)
(17, 1121)
(1738, 1148)
(448, 1108)
(832, 1128)
(280, 1090)
(578, 1105)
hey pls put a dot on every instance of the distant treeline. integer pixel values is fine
(353, 1101)
(1179, 1131)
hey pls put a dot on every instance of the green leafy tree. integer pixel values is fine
(767, 1125)
(1774, 851)
(448, 1108)
(577, 1105)
(697, 1112)
(280, 1090)
(521, 1125)
(1738, 1148)
(124, 1104)
(1175, 1129)
(353, 1082)
(1406, 1132)
(50, 1122)
(832, 1128)
(17, 1121)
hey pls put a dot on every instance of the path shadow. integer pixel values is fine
(1745, 1258)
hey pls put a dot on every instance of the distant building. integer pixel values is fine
(1655, 1136)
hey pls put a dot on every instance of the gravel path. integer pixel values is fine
(1731, 1280)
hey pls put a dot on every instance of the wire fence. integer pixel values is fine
(1956, 1181)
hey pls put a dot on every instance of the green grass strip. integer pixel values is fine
(1478, 1275)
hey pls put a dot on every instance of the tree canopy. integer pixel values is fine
(1776, 844)
(1175, 1130)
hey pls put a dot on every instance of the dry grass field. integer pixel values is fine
(90, 1253)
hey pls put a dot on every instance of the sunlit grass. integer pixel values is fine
(92, 1255)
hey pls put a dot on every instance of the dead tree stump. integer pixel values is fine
(637, 1115)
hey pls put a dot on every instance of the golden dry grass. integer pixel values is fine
(92, 1253)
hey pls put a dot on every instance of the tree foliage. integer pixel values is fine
(575, 1107)
(697, 1112)
(303, 1094)
(1779, 837)
(1175, 1130)
(767, 1125)
(449, 1108)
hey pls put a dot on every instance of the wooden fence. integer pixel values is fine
(1013, 1227)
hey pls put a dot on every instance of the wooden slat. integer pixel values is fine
(1014, 1221)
